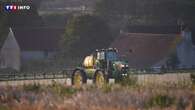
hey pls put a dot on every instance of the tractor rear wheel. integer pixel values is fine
(78, 78)
(99, 79)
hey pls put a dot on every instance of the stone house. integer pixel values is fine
(10, 53)
(25, 44)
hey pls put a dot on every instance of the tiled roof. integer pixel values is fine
(38, 39)
(144, 49)
(164, 29)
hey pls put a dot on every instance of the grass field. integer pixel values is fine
(127, 95)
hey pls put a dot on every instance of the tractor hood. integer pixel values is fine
(120, 65)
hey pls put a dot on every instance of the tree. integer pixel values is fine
(116, 7)
(3, 27)
(144, 10)
(116, 12)
(85, 33)
(176, 9)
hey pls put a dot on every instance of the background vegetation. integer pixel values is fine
(84, 34)
(166, 11)
(124, 14)
(3, 27)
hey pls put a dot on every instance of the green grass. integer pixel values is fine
(130, 80)
(3, 107)
(61, 90)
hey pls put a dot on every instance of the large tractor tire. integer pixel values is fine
(99, 79)
(78, 78)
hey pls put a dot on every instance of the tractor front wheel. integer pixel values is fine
(78, 78)
(99, 79)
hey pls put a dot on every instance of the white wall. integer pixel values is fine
(186, 51)
(36, 55)
(10, 53)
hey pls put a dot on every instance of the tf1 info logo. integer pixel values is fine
(15, 7)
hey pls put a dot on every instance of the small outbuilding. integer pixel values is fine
(10, 53)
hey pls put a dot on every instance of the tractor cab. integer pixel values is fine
(105, 58)
(108, 60)
(100, 58)
(110, 54)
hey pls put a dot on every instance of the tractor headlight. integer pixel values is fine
(122, 66)
(124, 74)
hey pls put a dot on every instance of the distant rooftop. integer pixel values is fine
(38, 39)
(164, 29)
(144, 49)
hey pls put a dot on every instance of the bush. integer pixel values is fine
(81, 36)
(107, 88)
(161, 101)
(192, 76)
(2, 107)
(32, 87)
(129, 80)
(61, 90)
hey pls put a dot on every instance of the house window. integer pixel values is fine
(46, 54)
(2, 60)
(130, 51)
(193, 37)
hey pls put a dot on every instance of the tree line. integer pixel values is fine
(96, 30)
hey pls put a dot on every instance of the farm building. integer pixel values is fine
(186, 50)
(24, 44)
(38, 43)
(10, 53)
(146, 47)
(144, 50)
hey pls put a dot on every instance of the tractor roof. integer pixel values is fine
(108, 49)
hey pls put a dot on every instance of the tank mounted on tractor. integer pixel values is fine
(100, 66)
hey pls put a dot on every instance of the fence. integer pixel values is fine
(12, 76)
(166, 79)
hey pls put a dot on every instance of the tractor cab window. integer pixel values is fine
(101, 55)
(111, 56)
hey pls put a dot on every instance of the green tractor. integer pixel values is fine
(100, 66)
